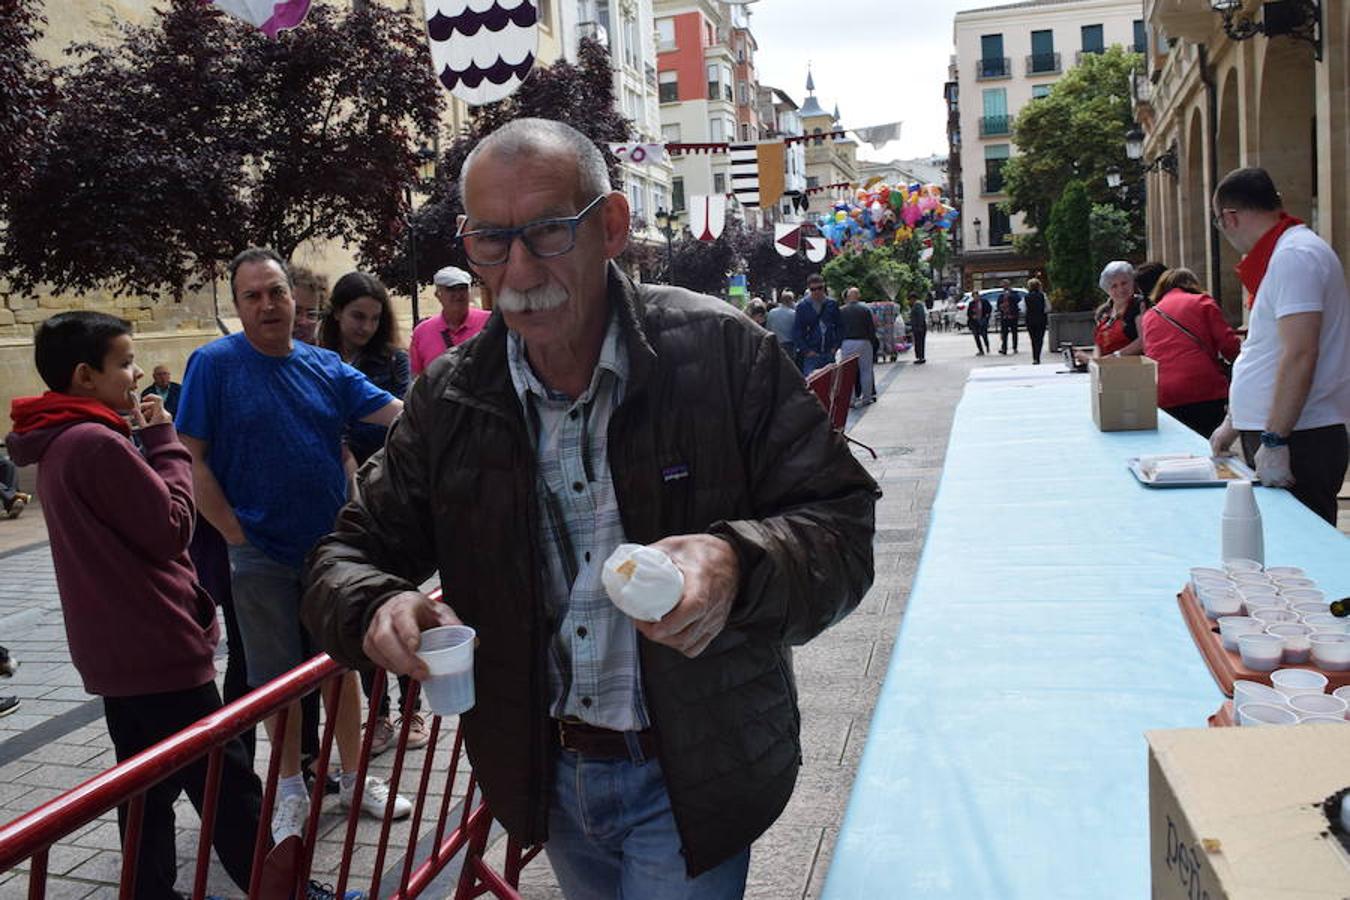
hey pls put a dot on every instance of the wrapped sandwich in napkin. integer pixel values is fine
(642, 581)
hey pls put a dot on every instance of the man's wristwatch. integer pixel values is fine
(1271, 439)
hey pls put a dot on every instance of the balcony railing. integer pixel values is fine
(995, 125)
(595, 31)
(991, 183)
(992, 68)
(1140, 48)
(1043, 63)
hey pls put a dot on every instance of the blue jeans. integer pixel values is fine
(612, 836)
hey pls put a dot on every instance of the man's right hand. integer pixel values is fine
(1221, 441)
(395, 632)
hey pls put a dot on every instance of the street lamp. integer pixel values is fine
(1114, 178)
(665, 223)
(427, 164)
(1134, 149)
(976, 223)
(1298, 19)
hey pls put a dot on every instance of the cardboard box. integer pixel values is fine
(1237, 812)
(1124, 393)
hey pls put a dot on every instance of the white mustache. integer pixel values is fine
(545, 297)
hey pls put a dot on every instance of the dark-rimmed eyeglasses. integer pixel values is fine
(544, 238)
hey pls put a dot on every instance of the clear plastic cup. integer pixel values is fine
(1261, 652)
(1232, 566)
(1317, 705)
(1292, 682)
(1245, 692)
(1297, 647)
(1233, 627)
(1266, 714)
(448, 653)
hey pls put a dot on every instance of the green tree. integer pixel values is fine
(1069, 238)
(1076, 132)
(1112, 235)
(878, 272)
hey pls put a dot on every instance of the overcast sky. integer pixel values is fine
(881, 60)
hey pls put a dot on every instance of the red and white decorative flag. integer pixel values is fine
(815, 249)
(707, 215)
(639, 154)
(787, 238)
(268, 16)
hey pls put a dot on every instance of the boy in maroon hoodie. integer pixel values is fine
(142, 631)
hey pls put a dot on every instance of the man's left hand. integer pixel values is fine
(712, 576)
(1273, 468)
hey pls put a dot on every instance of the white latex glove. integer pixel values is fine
(1221, 441)
(1272, 466)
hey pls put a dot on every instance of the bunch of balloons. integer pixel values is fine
(883, 213)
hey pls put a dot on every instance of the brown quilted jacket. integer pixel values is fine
(454, 491)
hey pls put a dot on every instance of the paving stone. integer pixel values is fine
(781, 861)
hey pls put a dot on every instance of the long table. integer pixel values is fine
(1006, 756)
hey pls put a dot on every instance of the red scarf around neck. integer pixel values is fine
(52, 409)
(1252, 269)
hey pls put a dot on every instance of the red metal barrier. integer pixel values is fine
(280, 874)
(833, 386)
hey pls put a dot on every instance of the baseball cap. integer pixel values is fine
(452, 277)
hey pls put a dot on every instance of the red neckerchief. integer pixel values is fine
(1252, 269)
(52, 409)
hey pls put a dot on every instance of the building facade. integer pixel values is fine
(1209, 104)
(1006, 57)
(781, 118)
(628, 29)
(697, 92)
(830, 160)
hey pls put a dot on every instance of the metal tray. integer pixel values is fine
(1242, 472)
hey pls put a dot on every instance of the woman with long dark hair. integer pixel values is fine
(360, 326)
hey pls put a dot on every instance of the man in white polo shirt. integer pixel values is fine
(459, 320)
(1290, 397)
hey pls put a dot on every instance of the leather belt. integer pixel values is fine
(593, 742)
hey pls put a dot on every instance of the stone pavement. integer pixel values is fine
(57, 739)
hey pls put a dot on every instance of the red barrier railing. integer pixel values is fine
(285, 871)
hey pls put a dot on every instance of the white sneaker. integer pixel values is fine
(289, 817)
(374, 799)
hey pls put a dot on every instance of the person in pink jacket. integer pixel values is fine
(142, 631)
(458, 321)
(1186, 335)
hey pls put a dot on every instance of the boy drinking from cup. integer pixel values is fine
(142, 631)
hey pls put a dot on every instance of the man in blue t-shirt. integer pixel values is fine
(264, 418)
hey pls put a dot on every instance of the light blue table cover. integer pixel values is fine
(1006, 756)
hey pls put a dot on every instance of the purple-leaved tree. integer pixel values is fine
(194, 136)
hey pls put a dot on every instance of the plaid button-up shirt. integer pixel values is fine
(594, 671)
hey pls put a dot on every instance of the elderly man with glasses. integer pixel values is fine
(591, 411)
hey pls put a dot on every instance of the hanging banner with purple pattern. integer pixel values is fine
(482, 50)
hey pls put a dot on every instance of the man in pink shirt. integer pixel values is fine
(457, 322)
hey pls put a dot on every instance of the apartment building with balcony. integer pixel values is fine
(628, 29)
(707, 89)
(1006, 57)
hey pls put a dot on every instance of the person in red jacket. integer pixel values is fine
(1187, 336)
(142, 631)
